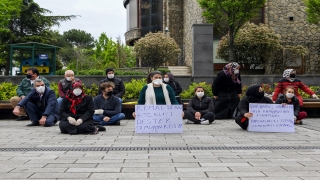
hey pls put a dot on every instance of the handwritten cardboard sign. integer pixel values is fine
(158, 119)
(271, 118)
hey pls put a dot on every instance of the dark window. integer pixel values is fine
(151, 16)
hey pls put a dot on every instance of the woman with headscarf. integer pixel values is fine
(156, 92)
(289, 79)
(254, 94)
(175, 85)
(76, 111)
(226, 89)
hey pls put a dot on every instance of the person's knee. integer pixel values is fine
(15, 100)
(122, 116)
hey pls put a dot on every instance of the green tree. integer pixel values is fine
(80, 46)
(313, 11)
(229, 16)
(8, 9)
(31, 25)
(154, 49)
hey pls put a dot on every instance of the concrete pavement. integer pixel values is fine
(218, 151)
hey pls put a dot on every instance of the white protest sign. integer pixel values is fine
(158, 119)
(271, 118)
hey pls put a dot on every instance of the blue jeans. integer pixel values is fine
(112, 120)
(59, 101)
(35, 114)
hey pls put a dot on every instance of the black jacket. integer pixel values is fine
(110, 106)
(48, 102)
(85, 109)
(203, 106)
(119, 88)
(295, 102)
(223, 83)
(175, 86)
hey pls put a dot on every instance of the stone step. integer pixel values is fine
(179, 70)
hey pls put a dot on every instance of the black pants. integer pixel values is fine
(243, 125)
(208, 116)
(226, 104)
(86, 127)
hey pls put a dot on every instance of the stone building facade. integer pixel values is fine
(286, 17)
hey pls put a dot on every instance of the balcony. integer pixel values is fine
(132, 35)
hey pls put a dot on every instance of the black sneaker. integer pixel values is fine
(116, 123)
(101, 128)
(22, 118)
(34, 123)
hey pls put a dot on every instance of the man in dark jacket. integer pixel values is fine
(119, 89)
(65, 84)
(24, 88)
(41, 105)
(107, 106)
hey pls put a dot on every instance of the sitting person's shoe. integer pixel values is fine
(116, 123)
(189, 122)
(96, 130)
(205, 122)
(22, 118)
(101, 128)
(34, 123)
(298, 122)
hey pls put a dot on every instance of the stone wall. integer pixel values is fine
(296, 31)
(173, 19)
(191, 15)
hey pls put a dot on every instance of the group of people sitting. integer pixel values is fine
(79, 113)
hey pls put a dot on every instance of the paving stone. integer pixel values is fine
(60, 175)
(119, 175)
(149, 169)
(93, 170)
(178, 174)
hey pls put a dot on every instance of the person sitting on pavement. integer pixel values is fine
(288, 97)
(107, 106)
(24, 88)
(156, 93)
(76, 111)
(119, 88)
(254, 94)
(41, 105)
(175, 85)
(200, 108)
(289, 79)
(65, 84)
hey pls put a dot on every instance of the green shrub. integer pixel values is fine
(101, 72)
(54, 86)
(163, 70)
(189, 93)
(7, 90)
(91, 91)
(133, 88)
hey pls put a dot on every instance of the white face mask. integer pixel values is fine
(110, 76)
(68, 78)
(166, 79)
(200, 94)
(289, 95)
(236, 71)
(40, 89)
(157, 81)
(77, 92)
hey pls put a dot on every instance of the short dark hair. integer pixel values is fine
(34, 70)
(105, 85)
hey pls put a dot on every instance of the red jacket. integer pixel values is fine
(296, 84)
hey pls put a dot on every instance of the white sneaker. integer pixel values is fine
(205, 122)
(189, 122)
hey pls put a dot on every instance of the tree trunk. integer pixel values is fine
(230, 42)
